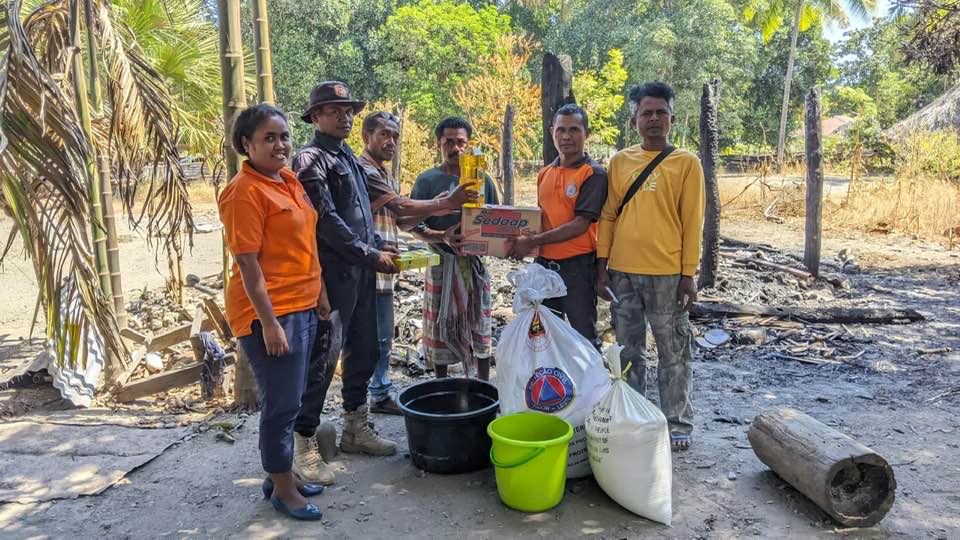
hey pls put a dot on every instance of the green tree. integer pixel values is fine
(762, 98)
(503, 80)
(769, 16)
(601, 94)
(683, 43)
(181, 43)
(849, 101)
(426, 49)
(313, 41)
(872, 59)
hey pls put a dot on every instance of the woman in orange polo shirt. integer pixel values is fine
(275, 294)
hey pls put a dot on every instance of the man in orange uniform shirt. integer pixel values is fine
(571, 192)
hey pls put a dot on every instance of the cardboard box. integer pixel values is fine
(487, 229)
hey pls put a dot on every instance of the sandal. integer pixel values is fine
(679, 441)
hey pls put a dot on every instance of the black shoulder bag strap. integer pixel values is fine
(638, 183)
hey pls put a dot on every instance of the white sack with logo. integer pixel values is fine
(544, 365)
(629, 446)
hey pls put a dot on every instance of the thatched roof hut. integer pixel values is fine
(940, 114)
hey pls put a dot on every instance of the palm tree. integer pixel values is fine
(47, 151)
(770, 16)
(182, 44)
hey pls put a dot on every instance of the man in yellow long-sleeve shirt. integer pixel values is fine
(648, 250)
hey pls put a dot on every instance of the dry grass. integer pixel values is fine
(202, 192)
(920, 205)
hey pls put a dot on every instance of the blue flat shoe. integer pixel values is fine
(307, 513)
(307, 490)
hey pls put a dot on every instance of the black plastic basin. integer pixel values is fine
(446, 423)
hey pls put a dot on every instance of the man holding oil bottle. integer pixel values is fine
(457, 300)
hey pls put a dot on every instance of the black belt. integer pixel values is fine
(555, 264)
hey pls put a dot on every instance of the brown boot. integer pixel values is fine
(358, 437)
(386, 406)
(307, 463)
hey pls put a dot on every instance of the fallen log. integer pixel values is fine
(796, 272)
(850, 482)
(165, 381)
(833, 315)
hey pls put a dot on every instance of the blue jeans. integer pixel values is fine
(380, 384)
(281, 381)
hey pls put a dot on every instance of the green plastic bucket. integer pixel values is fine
(529, 454)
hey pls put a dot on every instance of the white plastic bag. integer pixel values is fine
(545, 365)
(629, 446)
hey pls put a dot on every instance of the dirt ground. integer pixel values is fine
(896, 397)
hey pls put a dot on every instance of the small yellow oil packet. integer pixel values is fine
(417, 259)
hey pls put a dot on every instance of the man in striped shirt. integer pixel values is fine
(381, 132)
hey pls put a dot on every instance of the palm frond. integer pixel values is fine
(44, 178)
(143, 135)
(48, 29)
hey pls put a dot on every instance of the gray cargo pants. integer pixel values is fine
(654, 299)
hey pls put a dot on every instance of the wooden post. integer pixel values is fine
(397, 161)
(556, 83)
(814, 209)
(507, 155)
(709, 154)
(847, 480)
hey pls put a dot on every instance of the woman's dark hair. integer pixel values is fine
(249, 120)
(453, 122)
(656, 89)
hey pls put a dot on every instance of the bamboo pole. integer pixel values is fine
(234, 101)
(83, 112)
(261, 42)
(231, 66)
(104, 175)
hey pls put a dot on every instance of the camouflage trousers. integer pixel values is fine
(653, 299)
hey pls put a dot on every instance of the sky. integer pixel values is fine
(834, 33)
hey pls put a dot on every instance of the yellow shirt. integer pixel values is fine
(659, 231)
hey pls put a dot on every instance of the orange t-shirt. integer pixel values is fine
(276, 221)
(566, 192)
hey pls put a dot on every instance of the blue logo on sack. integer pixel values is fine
(549, 390)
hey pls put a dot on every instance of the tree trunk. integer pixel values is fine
(397, 161)
(850, 482)
(234, 101)
(507, 155)
(83, 112)
(814, 202)
(104, 175)
(556, 83)
(782, 134)
(709, 154)
(261, 42)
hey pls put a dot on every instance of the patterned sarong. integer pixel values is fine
(456, 312)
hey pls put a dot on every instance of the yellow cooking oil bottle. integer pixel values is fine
(473, 170)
